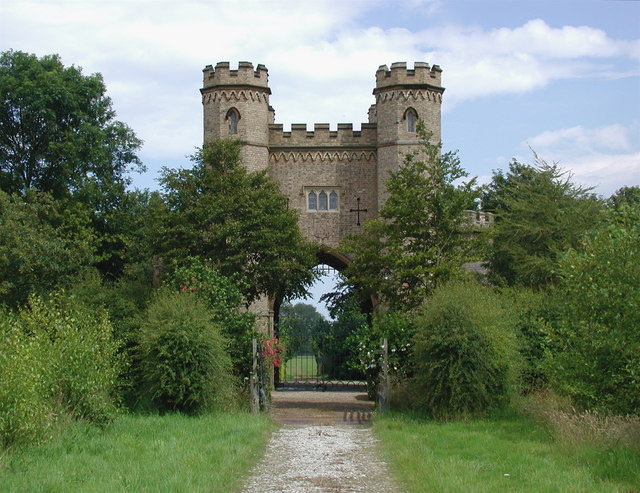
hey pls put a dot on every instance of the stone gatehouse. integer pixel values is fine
(334, 178)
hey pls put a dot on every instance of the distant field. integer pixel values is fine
(299, 367)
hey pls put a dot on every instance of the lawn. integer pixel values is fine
(142, 453)
(300, 367)
(508, 454)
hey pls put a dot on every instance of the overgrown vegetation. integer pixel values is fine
(182, 356)
(465, 354)
(58, 359)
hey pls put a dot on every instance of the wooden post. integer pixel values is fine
(384, 386)
(253, 381)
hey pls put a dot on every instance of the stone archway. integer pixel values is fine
(323, 350)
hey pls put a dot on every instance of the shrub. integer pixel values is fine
(83, 362)
(183, 358)
(397, 328)
(225, 302)
(25, 404)
(465, 351)
(56, 358)
(595, 345)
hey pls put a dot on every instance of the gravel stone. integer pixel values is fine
(328, 455)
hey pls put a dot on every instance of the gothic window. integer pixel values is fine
(233, 116)
(411, 117)
(333, 201)
(322, 201)
(313, 201)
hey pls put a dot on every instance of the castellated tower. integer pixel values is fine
(402, 97)
(333, 178)
(236, 105)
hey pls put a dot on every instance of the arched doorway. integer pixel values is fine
(322, 341)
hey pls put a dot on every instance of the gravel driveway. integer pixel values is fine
(324, 445)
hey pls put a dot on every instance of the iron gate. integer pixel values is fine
(318, 362)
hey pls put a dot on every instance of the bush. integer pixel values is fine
(595, 346)
(83, 363)
(183, 358)
(398, 329)
(25, 404)
(56, 358)
(465, 351)
(225, 302)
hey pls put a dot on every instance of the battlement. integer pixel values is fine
(322, 136)
(222, 75)
(399, 75)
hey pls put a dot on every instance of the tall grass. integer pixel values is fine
(511, 453)
(174, 453)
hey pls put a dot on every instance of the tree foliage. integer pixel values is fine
(420, 238)
(58, 131)
(183, 356)
(226, 307)
(541, 213)
(238, 219)
(465, 352)
(44, 244)
(595, 346)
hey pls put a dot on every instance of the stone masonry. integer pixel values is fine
(324, 172)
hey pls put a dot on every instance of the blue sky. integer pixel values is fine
(561, 76)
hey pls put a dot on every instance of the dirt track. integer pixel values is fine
(324, 446)
(320, 408)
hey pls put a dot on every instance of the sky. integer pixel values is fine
(558, 77)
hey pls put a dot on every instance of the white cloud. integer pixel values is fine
(322, 58)
(605, 157)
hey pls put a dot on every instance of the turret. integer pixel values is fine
(236, 105)
(404, 96)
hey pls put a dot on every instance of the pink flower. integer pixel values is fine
(193, 278)
(184, 288)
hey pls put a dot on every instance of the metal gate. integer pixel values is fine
(316, 362)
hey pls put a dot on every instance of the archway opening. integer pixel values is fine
(320, 333)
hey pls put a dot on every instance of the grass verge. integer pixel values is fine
(507, 454)
(142, 453)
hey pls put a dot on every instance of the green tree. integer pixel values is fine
(297, 326)
(421, 237)
(225, 303)
(43, 244)
(595, 346)
(541, 213)
(237, 219)
(625, 195)
(58, 131)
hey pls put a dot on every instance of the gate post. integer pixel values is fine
(253, 381)
(384, 387)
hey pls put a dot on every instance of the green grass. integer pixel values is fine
(174, 453)
(477, 456)
(300, 367)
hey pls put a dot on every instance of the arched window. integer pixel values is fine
(333, 201)
(233, 116)
(411, 117)
(313, 201)
(322, 201)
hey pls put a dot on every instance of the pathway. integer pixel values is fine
(324, 446)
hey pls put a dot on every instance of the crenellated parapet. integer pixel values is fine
(410, 96)
(323, 136)
(422, 75)
(245, 75)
